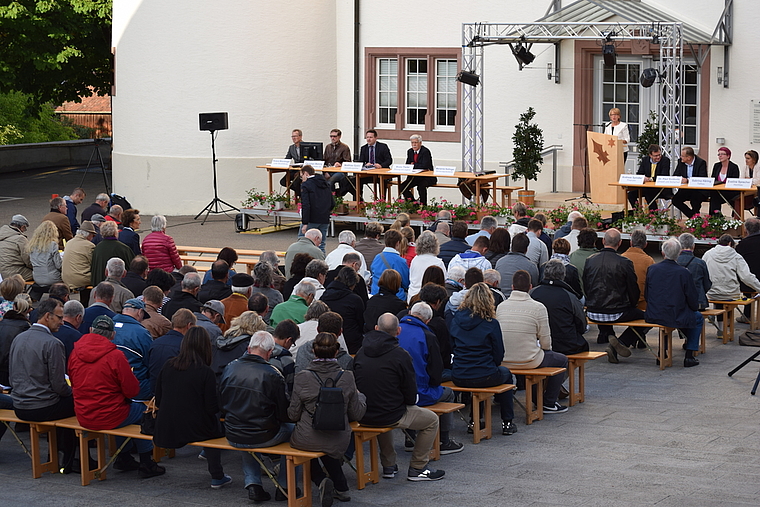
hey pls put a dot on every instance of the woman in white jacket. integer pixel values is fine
(427, 255)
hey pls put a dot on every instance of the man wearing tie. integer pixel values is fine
(374, 155)
(294, 153)
(689, 165)
(656, 164)
(421, 157)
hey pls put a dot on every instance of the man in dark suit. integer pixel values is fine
(374, 155)
(689, 165)
(656, 164)
(421, 157)
(294, 153)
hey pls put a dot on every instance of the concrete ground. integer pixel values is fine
(678, 437)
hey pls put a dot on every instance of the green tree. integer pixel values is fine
(529, 143)
(56, 50)
(29, 124)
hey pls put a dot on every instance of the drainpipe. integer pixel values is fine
(357, 62)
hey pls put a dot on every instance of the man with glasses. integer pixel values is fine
(294, 153)
(335, 154)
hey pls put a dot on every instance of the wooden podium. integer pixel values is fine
(605, 165)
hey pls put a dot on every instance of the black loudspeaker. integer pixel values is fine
(468, 77)
(213, 121)
(610, 58)
(648, 77)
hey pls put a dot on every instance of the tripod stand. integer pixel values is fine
(584, 196)
(215, 205)
(96, 151)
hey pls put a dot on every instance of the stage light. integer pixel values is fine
(523, 55)
(469, 78)
(610, 57)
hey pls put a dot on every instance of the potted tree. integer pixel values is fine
(529, 143)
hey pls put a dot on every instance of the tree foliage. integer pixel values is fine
(56, 50)
(529, 143)
(22, 123)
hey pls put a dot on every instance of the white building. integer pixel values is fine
(276, 66)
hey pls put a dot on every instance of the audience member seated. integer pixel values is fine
(107, 249)
(488, 225)
(479, 350)
(568, 226)
(14, 322)
(57, 291)
(370, 245)
(672, 299)
(159, 247)
(307, 330)
(167, 346)
(327, 322)
(216, 287)
(297, 272)
(131, 220)
(102, 296)
(749, 249)
(543, 236)
(471, 277)
(115, 271)
(390, 258)
(612, 293)
(103, 384)
(316, 273)
(188, 403)
(579, 224)
(162, 280)
(561, 249)
(295, 307)
(442, 232)
(234, 343)
(515, 261)
(422, 344)
(385, 301)
(641, 262)
(454, 280)
(391, 403)
(278, 281)
(427, 255)
(351, 260)
(260, 304)
(347, 244)
(308, 244)
(135, 341)
(566, 318)
(435, 296)
(498, 246)
(285, 335)
(456, 245)
(230, 256)
(537, 250)
(255, 404)
(696, 267)
(68, 333)
(492, 278)
(156, 324)
(475, 257)
(134, 279)
(586, 248)
(303, 403)
(44, 255)
(76, 268)
(9, 289)
(99, 206)
(14, 253)
(186, 298)
(408, 248)
(263, 282)
(341, 299)
(520, 212)
(209, 318)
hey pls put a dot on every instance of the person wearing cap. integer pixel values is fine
(156, 324)
(103, 383)
(77, 258)
(187, 297)
(237, 302)
(97, 220)
(100, 207)
(167, 346)
(58, 216)
(135, 341)
(209, 318)
(14, 256)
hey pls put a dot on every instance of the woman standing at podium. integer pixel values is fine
(620, 129)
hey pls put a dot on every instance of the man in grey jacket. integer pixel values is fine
(14, 257)
(37, 369)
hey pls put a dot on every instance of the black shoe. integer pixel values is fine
(326, 489)
(150, 469)
(257, 494)
(281, 498)
(72, 468)
(612, 355)
(563, 393)
(641, 344)
(688, 362)
(603, 338)
(126, 463)
(621, 349)
(472, 425)
(508, 428)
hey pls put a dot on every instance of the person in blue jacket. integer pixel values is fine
(135, 341)
(389, 258)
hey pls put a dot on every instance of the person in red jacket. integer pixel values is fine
(159, 247)
(103, 384)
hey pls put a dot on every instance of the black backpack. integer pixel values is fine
(330, 411)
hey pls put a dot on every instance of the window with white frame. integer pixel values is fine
(445, 94)
(387, 91)
(416, 92)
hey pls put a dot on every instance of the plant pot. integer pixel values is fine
(662, 230)
(260, 205)
(278, 205)
(501, 220)
(370, 213)
(341, 209)
(527, 197)
(629, 227)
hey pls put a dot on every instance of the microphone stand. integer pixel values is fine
(585, 196)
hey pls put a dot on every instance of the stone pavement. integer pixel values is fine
(678, 437)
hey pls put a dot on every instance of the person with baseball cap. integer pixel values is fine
(14, 256)
(135, 341)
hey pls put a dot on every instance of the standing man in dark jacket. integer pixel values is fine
(421, 158)
(392, 401)
(689, 166)
(566, 318)
(612, 293)
(255, 403)
(340, 297)
(672, 299)
(456, 245)
(317, 202)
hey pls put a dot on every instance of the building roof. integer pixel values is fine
(92, 104)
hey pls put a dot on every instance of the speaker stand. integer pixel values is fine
(96, 151)
(215, 206)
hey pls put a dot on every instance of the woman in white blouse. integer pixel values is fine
(750, 171)
(427, 255)
(620, 129)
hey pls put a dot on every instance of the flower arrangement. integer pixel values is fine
(263, 200)
(654, 221)
(592, 213)
(710, 226)
(381, 209)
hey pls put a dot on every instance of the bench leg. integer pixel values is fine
(87, 474)
(702, 341)
(305, 499)
(362, 476)
(532, 414)
(575, 397)
(486, 432)
(38, 466)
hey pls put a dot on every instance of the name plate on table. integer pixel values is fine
(739, 183)
(701, 182)
(281, 162)
(668, 181)
(404, 169)
(442, 170)
(631, 179)
(316, 164)
(352, 166)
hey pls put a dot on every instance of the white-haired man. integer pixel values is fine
(309, 244)
(421, 158)
(109, 247)
(100, 206)
(255, 403)
(295, 307)
(347, 244)
(487, 226)
(115, 271)
(565, 229)
(186, 298)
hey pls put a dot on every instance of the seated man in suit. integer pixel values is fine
(294, 153)
(689, 165)
(421, 157)
(656, 164)
(374, 155)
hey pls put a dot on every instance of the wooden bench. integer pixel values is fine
(191, 260)
(295, 457)
(190, 255)
(728, 317)
(535, 377)
(35, 430)
(665, 352)
(578, 362)
(480, 394)
(439, 409)
(710, 312)
(367, 434)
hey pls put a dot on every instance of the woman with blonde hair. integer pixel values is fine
(9, 289)
(407, 248)
(620, 129)
(427, 250)
(234, 343)
(43, 252)
(402, 220)
(479, 350)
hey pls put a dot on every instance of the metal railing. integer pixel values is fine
(553, 149)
